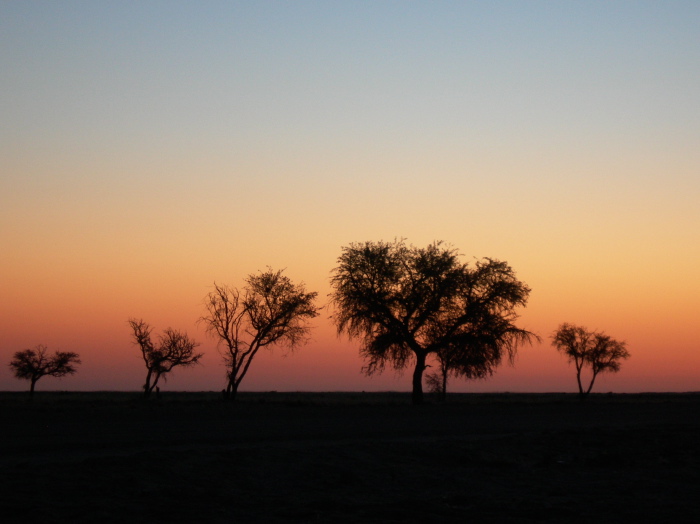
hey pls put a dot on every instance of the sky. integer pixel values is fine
(150, 149)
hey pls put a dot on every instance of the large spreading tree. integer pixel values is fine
(270, 310)
(406, 303)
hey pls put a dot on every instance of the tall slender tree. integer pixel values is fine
(270, 311)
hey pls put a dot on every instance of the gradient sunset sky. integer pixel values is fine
(150, 148)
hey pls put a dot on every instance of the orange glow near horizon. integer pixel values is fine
(92, 321)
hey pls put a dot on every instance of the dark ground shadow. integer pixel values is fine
(99, 457)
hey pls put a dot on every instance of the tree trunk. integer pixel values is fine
(417, 396)
(581, 393)
(443, 389)
(590, 386)
(147, 385)
(31, 387)
(231, 391)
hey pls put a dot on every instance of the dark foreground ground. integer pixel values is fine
(109, 457)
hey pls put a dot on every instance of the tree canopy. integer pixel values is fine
(405, 302)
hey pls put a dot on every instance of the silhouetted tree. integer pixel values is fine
(270, 310)
(584, 348)
(405, 302)
(173, 349)
(32, 364)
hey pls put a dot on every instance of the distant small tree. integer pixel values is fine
(173, 349)
(589, 349)
(269, 311)
(32, 364)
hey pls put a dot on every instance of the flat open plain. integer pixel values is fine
(349, 457)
